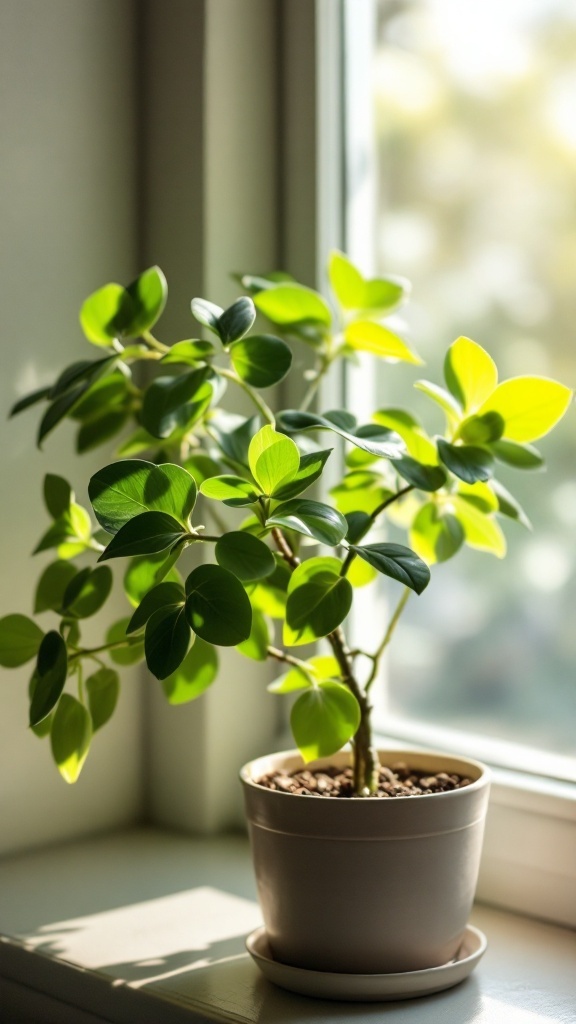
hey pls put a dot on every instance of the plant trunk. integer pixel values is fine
(365, 758)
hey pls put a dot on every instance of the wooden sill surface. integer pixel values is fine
(146, 927)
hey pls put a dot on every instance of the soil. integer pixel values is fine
(397, 780)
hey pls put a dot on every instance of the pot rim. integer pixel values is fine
(484, 772)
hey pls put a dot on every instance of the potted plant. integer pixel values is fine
(399, 850)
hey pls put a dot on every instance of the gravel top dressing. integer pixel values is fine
(398, 780)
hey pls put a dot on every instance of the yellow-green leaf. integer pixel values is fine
(274, 459)
(471, 374)
(365, 336)
(481, 531)
(70, 737)
(529, 406)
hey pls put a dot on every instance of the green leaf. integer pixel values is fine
(324, 719)
(234, 434)
(312, 519)
(109, 393)
(354, 292)
(521, 456)
(232, 490)
(20, 639)
(441, 397)
(106, 314)
(481, 531)
(72, 526)
(28, 400)
(436, 535)
(51, 669)
(419, 445)
(87, 369)
(134, 650)
(261, 360)
(480, 494)
(237, 320)
(70, 737)
(398, 562)
(256, 646)
(470, 373)
(425, 478)
(323, 666)
(509, 506)
(173, 402)
(245, 556)
(87, 591)
(148, 294)
(296, 421)
(217, 606)
(467, 462)
(319, 599)
(51, 586)
(123, 490)
(366, 336)
(196, 673)
(166, 640)
(360, 491)
(163, 595)
(274, 459)
(481, 429)
(58, 410)
(58, 495)
(189, 352)
(310, 470)
(145, 534)
(269, 595)
(529, 406)
(141, 576)
(102, 690)
(99, 430)
(359, 523)
(202, 467)
(293, 303)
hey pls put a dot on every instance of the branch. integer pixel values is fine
(288, 659)
(284, 548)
(387, 638)
(373, 516)
(258, 401)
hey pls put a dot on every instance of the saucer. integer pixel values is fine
(368, 987)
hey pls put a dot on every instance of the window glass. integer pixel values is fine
(476, 178)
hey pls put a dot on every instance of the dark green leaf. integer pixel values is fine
(87, 369)
(233, 434)
(196, 673)
(261, 360)
(467, 462)
(189, 352)
(237, 320)
(161, 596)
(311, 467)
(398, 562)
(28, 400)
(148, 294)
(109, 393)
(52, 669)
(172, 402)
(482, 429)
(521, 456)
(217, 606)
(425, 478)
(87, 592)
(58, 410)
(359, 524)
(256, 646)
(102, 689)
(295, 421)
(207, 314)
(20, 639)
(144, 535)
(319, 599)
(312, 519)
(51, 586)
(509, 506)
(123, 490)
(58, 495)
(323, 719)
(134, 649)
(70, 737)
(141, 576)
(166, 640)
(99, 430)
(232, 490)
(245, 556)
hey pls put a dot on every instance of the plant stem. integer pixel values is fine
(288, 659)
(154, 343)
(258, 401)
(387, 638)
(87, 652)
(373, 515)
(284, 548)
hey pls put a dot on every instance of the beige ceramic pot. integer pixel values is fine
(366, 885)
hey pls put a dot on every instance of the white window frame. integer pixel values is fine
(529, 859)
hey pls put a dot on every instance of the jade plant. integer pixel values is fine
(205, 513)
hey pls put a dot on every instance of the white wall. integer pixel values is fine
(67, 173)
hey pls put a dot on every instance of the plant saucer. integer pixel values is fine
(368, 987)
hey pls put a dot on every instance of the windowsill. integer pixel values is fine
(145, 925)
